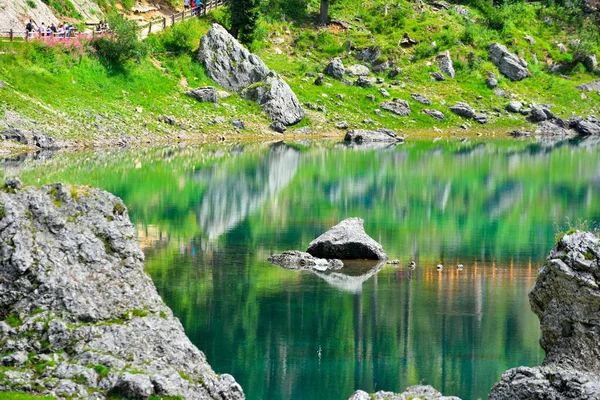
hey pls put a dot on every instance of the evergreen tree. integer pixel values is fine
(244, 17)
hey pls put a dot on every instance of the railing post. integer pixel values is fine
(164, 22)
(173, 19)
(10, 35)
(150, 27)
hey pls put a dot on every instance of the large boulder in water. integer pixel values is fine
(566, 299)
(72, 275)
(509, 64)
(347, 241)
(276, 99)
(232, 66)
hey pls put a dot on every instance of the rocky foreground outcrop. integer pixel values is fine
(566, 298)
(80, 318)
(232, 66)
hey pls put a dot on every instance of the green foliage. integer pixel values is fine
(102, 370)
(122, 46)
(31, 4)
(180, 39)
(14, 320)
(140, 313)
(64, 8)
(22, 396)
(244, 16)
(128, 4)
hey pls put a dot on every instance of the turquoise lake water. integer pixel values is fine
(209, 216)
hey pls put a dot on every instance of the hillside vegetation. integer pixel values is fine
(72, 93)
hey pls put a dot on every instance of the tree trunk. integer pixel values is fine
(324, 16)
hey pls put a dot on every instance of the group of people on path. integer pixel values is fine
(62, 31)
(195, 5)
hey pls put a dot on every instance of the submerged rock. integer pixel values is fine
(298, 260)
(413, 392)
(347, 241)
(509, 64)
(379, 135)
(72, 274)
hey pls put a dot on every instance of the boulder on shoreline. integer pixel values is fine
(347, 241)
(421, 392)
(379, 135)
(77, 303)
(232, 66)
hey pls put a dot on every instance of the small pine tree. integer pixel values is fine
(244, 18)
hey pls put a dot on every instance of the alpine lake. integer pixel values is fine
(207, 218)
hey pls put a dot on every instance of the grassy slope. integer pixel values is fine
(72, 96)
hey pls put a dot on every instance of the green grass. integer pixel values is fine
(22, 396)
(75, 97)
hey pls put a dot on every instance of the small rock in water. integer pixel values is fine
(412, 265)
(394, 262)
(440, 267)
(460, 267)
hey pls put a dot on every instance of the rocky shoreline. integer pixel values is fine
(80, 317)
(566, 299)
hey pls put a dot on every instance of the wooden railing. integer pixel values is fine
(160, 23)
(181, 16)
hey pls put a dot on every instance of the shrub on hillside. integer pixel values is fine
(121, 45)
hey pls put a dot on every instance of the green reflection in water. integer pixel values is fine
(208, 217)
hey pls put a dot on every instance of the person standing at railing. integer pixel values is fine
(29, 28)
(193, 7)
(186, 4)
(42, 30)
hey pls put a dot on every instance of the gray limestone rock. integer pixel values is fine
(44, 142)
(336, 69)
(397, 106)
(358, 70)
(14, 134)
(206, 94)
(419, 98)
(590, 87)
(276, 99)
(587, 128)
(566, 299)
(514, 107)
(342, 125)
(509, 64)
(445, 64)
(550, 129)
(229, 63)
(364, 82)
(347, 241)
(464, 110)
(413, 392)
(379, 135)
(438, 76)
(368, 54)
(435, 114)
(73, 271)
(298, 260)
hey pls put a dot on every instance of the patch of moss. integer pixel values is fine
(139, 313)
(119, 209)
(102, 370)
